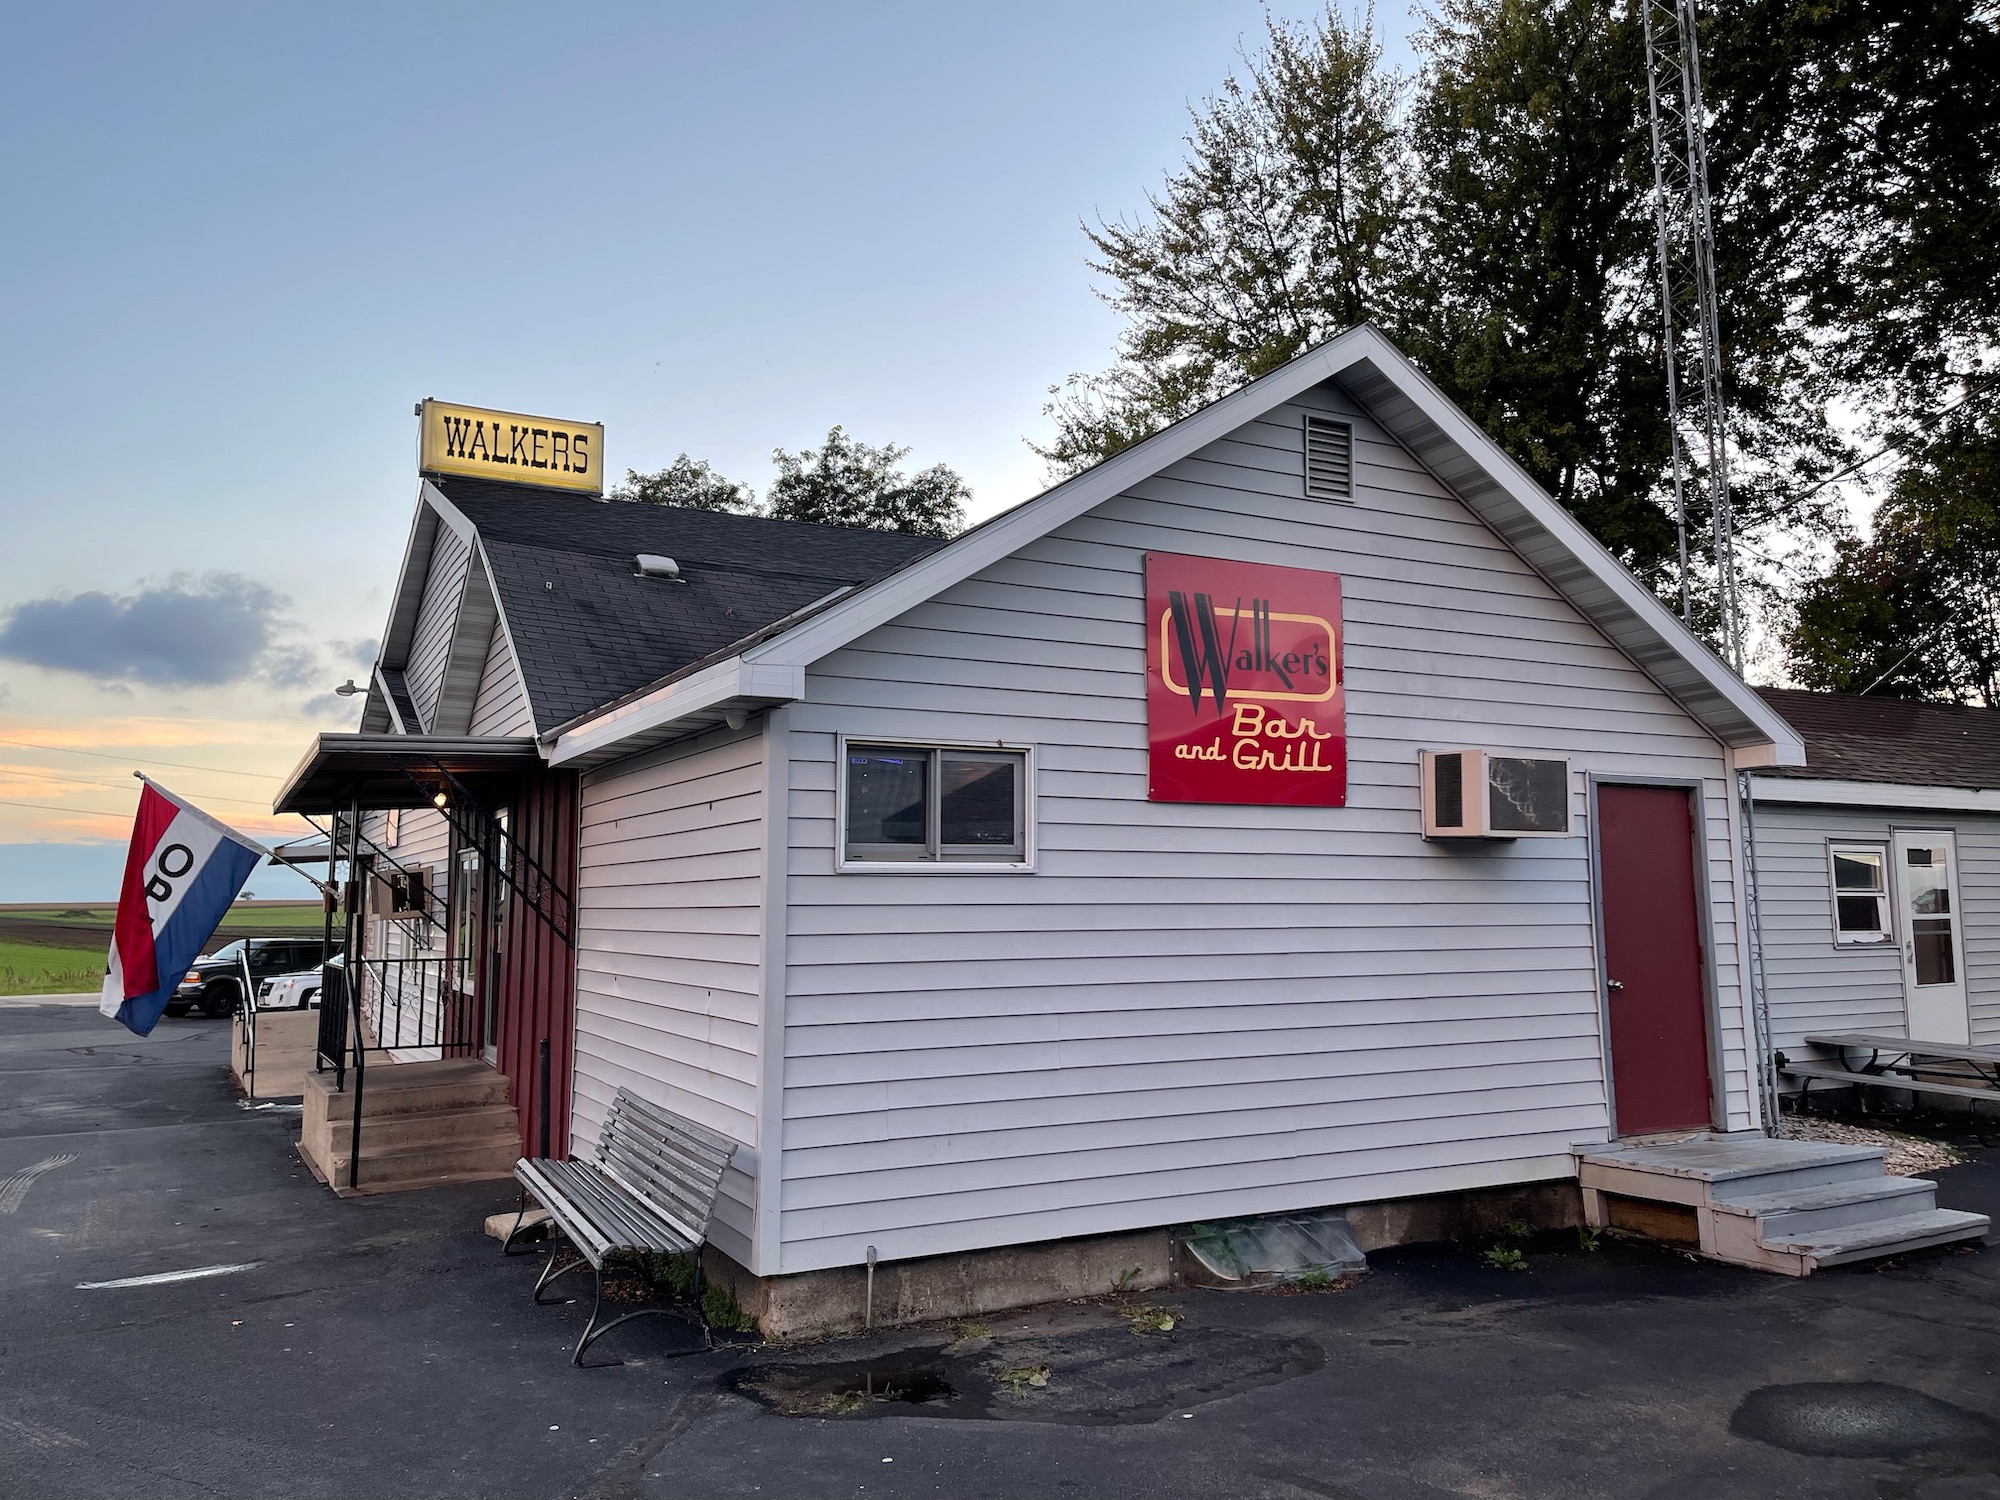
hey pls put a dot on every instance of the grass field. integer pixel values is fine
(53, 950)
(35, 969)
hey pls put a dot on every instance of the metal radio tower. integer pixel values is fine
(1692, 341)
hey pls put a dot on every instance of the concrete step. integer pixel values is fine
(1697, 1172)
(409, 1088)
(1894, 1236)
(482, 1122)
(1785, 1214)
(426, 1166)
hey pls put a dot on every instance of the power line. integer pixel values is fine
(178, 765)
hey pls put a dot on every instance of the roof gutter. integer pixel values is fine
(733, 682)
(1833, 792)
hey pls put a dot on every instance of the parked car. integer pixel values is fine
(215, 982)
(298, 991)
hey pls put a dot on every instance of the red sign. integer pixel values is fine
(1243, 692)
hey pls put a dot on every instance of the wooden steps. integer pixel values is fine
(422, 1124)
(1787, 1206)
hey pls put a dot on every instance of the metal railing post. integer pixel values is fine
(542, 1062)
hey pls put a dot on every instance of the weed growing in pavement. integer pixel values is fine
(1316, 1280)
(1506, 1258)
(1122, 1282)
(721, 1311)
(1517, 1229)
(1024, 1378)
(1143, 1318)
(1586, 1237)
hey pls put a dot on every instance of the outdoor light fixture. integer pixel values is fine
(439, 799)
(347, 689)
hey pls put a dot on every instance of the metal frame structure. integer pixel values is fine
(1690, 323)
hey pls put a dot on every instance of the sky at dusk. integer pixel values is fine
(244, 241)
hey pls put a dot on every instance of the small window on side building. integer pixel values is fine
(1860, 894)
(915, 804)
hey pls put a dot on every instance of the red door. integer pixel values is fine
(1653, 959)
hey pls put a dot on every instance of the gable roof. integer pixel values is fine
(584, 627)
(1398, 396)
(1890, 740)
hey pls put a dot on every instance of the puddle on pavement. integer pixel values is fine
(1087, 1377)
(1864, 1419)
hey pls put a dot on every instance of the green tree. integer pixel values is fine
(1276, 233)
(1495, 217)
(1914, 611)
(846, 483)
(687, 482)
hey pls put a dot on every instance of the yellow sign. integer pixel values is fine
(509, 445)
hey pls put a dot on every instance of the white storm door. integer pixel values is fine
(1933, 952)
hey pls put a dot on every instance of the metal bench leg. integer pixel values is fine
(592, 1331)
(507, 1245)
(550, 1273)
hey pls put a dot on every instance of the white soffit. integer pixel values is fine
(1832, 793)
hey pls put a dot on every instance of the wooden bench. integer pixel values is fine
(1899, 1063)
(651, 1191)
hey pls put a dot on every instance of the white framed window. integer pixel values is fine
(935, 806)
(1859, 874)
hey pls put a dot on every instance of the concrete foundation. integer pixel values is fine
(978, 1283)
(286, 1042)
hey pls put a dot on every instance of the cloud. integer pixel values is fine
(209, 631)
(361, 653)
(332, 706)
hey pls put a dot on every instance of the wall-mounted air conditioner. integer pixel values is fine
(1483, 794)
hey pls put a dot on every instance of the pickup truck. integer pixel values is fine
(215, 982)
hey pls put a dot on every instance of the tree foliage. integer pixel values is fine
(1276, 233)
(1914, 611)
(688, 482)
(840, 483)
(1494, 215)
(847, 483)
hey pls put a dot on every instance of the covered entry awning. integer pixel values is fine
(380, 771)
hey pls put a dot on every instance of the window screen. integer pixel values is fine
(1860, 894)
(1329, 459)
(916, 803)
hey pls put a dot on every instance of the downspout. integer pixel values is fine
(1766, 1073)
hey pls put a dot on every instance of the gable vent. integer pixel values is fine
(1329, 459)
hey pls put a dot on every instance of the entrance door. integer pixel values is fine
(1656, 1000)
(1933, 956)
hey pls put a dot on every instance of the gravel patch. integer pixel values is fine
(1907, 1155)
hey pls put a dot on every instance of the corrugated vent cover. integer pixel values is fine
(1264, 1252)
(1329, 459)
(1448, 776)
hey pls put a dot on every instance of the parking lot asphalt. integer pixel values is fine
(384, 1347)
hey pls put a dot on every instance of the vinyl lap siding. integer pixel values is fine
(669, 946)
(1197, 1011)
(430, 643)
(502, 705)
(1817, 987)
(1814, 986)
(1979, 888)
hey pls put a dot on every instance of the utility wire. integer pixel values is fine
(178, 765)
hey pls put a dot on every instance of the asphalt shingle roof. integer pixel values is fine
(588, 630)
(1850, 738)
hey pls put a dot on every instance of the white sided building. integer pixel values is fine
(1297, 810)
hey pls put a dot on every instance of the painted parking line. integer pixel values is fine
(165, 1277)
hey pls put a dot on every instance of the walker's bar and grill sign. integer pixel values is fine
(509, 445)
(1243, 692)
